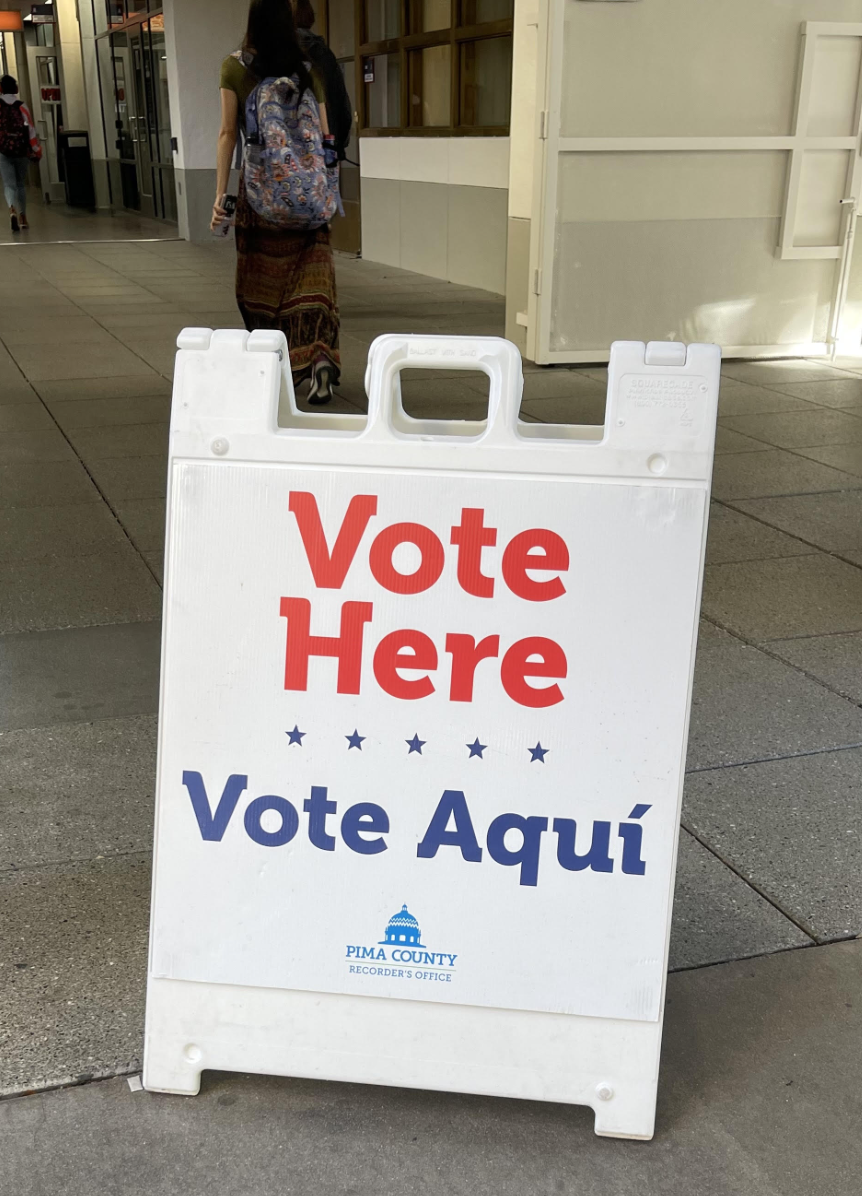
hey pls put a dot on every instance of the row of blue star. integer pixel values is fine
(416, 745)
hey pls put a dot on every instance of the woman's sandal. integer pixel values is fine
(321, 385)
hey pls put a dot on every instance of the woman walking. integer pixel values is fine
(17, 140)
(285, 278)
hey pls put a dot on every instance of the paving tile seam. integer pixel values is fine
(94, 316)
(725, 423)
(143, 856)
(747, 560)
(97, 487)
(51, 280)
(84, 553)
(78, 722)
(758, 518)
(826, 751)
(857, 482)
(847, 376)
(763, 646)
(752, 884)
(99, 1076)
(820, 635)
(730, 505)
(719, 963)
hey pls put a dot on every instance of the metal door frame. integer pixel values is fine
(139, 48)
(42, 113)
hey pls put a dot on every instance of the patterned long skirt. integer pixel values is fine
(286, 280)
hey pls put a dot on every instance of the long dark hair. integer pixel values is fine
(303, 14)
(271, 40)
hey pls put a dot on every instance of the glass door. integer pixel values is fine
(126, 123)
(47, 114)
(163, 158)
(141, 121)
(143, 151)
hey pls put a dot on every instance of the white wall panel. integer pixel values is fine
(821, 186)
(455, 161)
(834, 88)
(686, 67)
(199, 34)
(671, 186)
(697, 280)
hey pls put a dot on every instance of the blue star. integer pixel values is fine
(415, 744)
(355, 740)
(296, 735)
(476, 749)
(538, 753)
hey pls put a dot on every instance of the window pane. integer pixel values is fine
(122, 80)
(342, 31)
(109, 99)
(382, 75)
(476, 12)
(116, 12)
(160, 88)
(428, 15)
(382, 19)
(486, 82)
(430, 84)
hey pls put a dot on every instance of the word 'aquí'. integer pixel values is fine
(410, 650)
(363, 828)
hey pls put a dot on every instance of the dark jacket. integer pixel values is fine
(338, 108)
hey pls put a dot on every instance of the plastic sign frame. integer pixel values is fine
(425, 698)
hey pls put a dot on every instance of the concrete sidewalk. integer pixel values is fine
(770, 854)
(759, 1096)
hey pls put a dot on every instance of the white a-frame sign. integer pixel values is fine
(425, 694)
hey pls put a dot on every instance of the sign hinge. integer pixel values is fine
(537, 282)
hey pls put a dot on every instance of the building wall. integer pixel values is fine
(75, 115)
(93, 99)
(665, 243)
(525, 67)
(438, 206)
(199, 34)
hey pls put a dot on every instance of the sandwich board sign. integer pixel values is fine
(425, 694)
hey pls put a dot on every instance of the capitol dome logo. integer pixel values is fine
(402, 930)
(401, 944)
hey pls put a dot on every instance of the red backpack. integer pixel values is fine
(14, 131)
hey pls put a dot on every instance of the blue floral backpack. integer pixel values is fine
(288, 179)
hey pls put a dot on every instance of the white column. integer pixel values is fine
(89, 63)
(199, 34)
(71, 65)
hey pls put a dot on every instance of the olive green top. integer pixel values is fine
(235, 76)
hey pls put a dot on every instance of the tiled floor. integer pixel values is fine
(770, 853)
(57, 224)
(759, 1096)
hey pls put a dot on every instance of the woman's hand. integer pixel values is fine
(219, 214)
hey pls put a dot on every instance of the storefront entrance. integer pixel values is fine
(133, 68)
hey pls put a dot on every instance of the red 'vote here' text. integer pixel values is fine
(409, 650)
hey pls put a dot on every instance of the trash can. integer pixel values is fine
(76, 169)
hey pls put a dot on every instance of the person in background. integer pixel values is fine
(325, 64)
(17, 141)
(285, 278)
